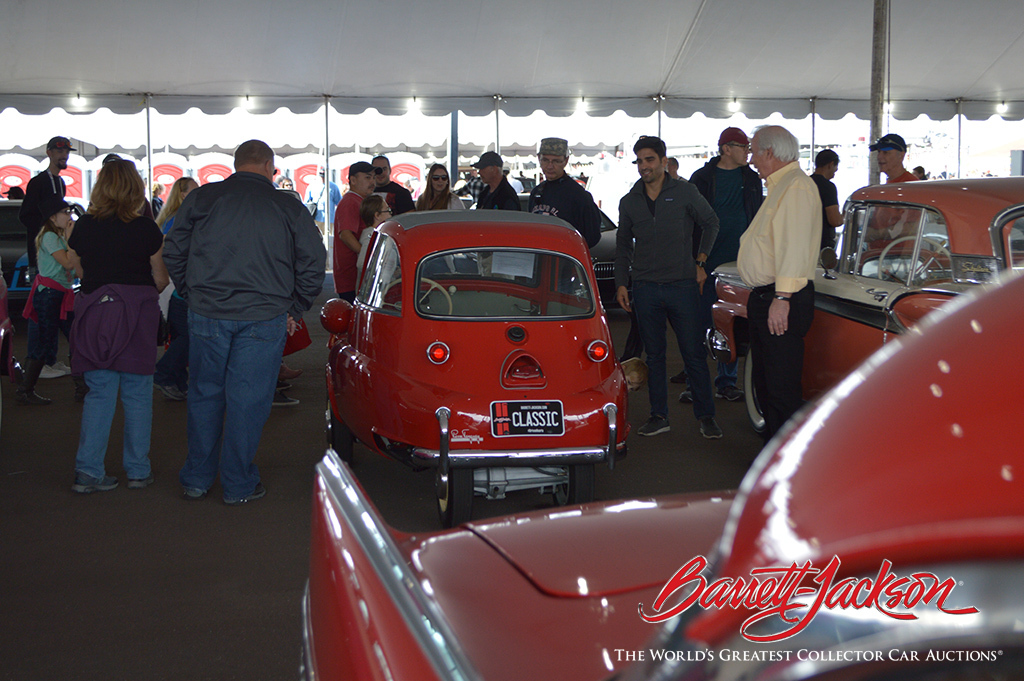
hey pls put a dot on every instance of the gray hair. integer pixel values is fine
(781, 142)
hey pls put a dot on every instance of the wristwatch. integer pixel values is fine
(780, 297)
(701, 263)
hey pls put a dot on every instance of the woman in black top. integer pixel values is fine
(118, 253)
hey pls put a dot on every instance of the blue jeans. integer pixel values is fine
(42, 335)
(709, 296)
(677, 303)
(98, 413)
(172, 369)
(233, 369)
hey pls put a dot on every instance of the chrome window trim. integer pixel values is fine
(421, 614)
(996, 232)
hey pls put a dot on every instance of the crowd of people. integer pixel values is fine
(239, 261)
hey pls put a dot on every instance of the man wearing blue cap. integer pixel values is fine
(891, 149)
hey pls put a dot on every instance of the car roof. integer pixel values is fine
(423, 233)
(968, 206)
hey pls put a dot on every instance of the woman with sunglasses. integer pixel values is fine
(438, 194)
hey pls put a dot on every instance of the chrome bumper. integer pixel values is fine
(445, 458)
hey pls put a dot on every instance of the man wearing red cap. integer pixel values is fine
(734, 191)
(44, 185)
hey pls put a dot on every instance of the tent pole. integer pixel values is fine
(327, 155)
(814, 131)
(879, 50)
(149, 152)
(497, 125)
(453, 149)
(661, 99)
(959, 132)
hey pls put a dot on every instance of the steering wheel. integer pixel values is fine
(937, 248)
(432, 285)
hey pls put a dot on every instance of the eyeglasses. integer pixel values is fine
(437, 178)
(377, 170)
(67, 211)
(386, 210)
(738, 145)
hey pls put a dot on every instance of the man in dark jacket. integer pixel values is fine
(41, 187)
(561, 196)
(499, 194)
(248, 260)
(659, 215)
(734, 191)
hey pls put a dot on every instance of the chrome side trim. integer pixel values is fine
(531, 457)
(307, 670)
(610, 410)
(421, 614)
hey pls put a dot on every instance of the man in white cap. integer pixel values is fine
(561, 196)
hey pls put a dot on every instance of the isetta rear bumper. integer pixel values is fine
(446, 458)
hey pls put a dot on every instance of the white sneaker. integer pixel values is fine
(55, 370)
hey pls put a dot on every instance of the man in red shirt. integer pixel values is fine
(347, 227)
(891, 150)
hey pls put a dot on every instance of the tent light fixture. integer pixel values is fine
(734, 105)
(1001, 108)
(78, 100)
(414, 105)
(888, 107)
(581, 106)
(247, 103)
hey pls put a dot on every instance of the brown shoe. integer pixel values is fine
(288, 374)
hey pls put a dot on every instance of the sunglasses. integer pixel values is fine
(377, 170)
(439, 177)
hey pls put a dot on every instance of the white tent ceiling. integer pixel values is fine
(682, 55)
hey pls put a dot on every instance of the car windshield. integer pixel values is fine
(505, 283)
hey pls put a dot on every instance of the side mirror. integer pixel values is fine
(828, 259)
(336, 316)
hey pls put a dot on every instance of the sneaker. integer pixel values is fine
(139, 483)
(257, 493)
(193, 493)
(171, 392)
(730, 392)
(55, 370)
(678, 378)
(686, 397)
(654, 426)
(283, 385)
(282, 400)
(85, 484)
(709, 429)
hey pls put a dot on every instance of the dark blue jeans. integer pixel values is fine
(42, 335)
(233, 367)
(172, 369)
(678, 304)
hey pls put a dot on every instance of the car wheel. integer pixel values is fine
(754, 412)
(579, 489)
(339, 437)
(455, 503)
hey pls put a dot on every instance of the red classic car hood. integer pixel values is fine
(610, 548)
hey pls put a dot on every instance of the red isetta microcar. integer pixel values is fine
(904, 475)
(477, 346)
(905, 249)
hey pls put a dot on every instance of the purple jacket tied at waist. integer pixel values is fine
(115, 329)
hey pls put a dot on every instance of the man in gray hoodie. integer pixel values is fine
(655, 243)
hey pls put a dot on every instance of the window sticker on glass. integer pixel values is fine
(513, 264)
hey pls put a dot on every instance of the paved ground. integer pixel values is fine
(143, 585)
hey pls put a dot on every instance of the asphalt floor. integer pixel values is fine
(141, 584)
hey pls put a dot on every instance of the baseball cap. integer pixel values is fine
(890, 141)
(489, 158)
(360, 167)
(553, 146)
(59, 143)
(733, 135)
